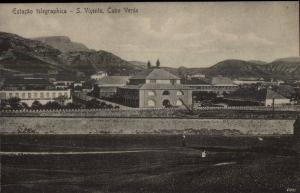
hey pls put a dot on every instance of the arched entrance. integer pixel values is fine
(166, 103)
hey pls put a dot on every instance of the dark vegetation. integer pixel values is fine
(59, 103)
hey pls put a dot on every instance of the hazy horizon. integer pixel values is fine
(197, 34)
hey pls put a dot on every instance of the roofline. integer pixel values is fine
(35, 90)
(155, 79)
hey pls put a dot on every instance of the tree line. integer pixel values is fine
(15, 103)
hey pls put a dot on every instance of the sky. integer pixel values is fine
(194, 34)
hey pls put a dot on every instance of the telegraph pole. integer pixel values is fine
(273, 107)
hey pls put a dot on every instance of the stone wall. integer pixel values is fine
(211, 112)
(94, 125)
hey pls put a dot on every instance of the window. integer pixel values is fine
(35, 95)
(23, 95)
(178, 103)
(179, 93)
(166, 92)
(47, 95)
(17, 94)
(29, 95)
(41, 95)
(53, 95)
(10, 95)
(66, 94)
(151, 93)
(153, 81)
(151, 103)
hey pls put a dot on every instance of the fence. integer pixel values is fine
(204, 112)
(93, 112)
(254, 108)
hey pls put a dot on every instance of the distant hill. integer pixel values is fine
(34, 56)
(235, 68)
(91, 61)
(257, 61)
(62, 43)
(138, 63)
(289, 60)
(280, 69)
(39, 55)
(284, 68)
(26, 55)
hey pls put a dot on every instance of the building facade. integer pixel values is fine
(275, 98)
(265, 96)
(30, 89)
(43, 96)
(99, 75)
(218, 85)
(155, 88)
(107, 86)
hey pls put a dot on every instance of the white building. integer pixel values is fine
(63, 84)
(265, 96)
(43, 96)
(197, 76)
(107, 86)
(218, 85)
(99, 75)
(274, 97)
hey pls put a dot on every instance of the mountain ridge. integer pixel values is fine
(279, 69)
(62, 43)
(32, 55)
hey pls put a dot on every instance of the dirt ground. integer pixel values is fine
(147, 164)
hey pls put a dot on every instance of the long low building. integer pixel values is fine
(218, 85)
(30, 89)
(266, 97)
(107, 86)
(43, 96)
(218, 89)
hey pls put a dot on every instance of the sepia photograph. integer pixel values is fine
(150, 97)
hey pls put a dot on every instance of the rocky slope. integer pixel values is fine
(59, 53)
(62, 43)
(34, 56)
(280, 69)
(25, 55)
(92, 61)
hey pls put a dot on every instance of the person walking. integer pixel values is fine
(183, 142)
(203, 154)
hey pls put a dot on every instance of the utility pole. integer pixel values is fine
(273, 107)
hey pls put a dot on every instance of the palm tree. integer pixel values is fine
(61, 100)
(36, 105)
(148, 64)
(14, 102)
(157, 63)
